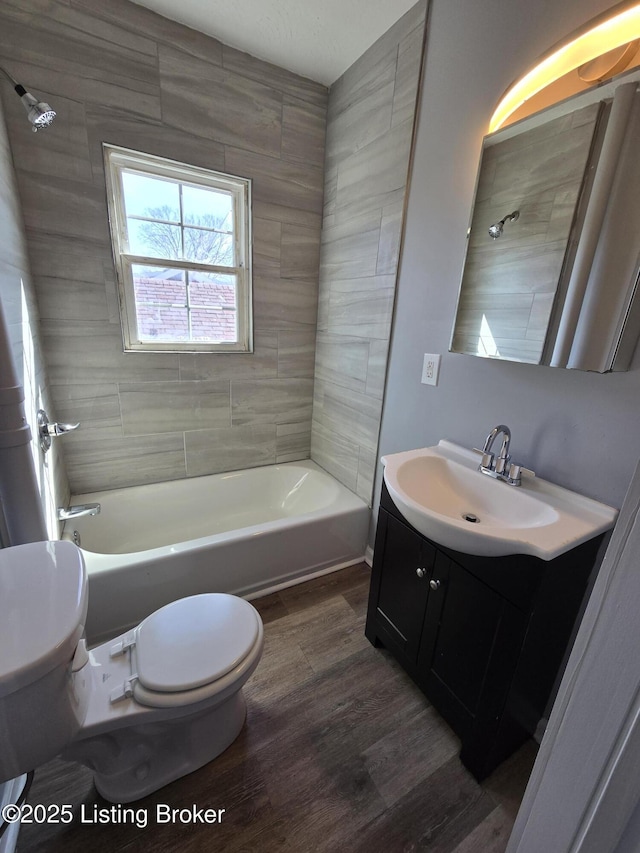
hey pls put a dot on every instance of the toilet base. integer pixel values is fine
(133, 762)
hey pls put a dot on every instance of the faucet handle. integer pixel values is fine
(487, 458)
(516, 472)
(48, 430)
(58, 429)
(502, 464)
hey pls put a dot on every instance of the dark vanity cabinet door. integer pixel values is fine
(402, 589)
(471, 642)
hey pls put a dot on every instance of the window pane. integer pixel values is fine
(207, 208)
(154, 239)
(161, 303)
(208, 247)
(209, 290)
(210, 325)
(153, 197)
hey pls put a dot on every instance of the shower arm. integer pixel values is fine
(19, 88)
(13, 82)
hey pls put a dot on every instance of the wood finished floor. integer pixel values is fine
(340, 752)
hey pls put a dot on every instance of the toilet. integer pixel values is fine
(141, 710)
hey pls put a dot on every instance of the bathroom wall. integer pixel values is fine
(21, 315)
(577, 429)
(369, 134)
(118, 73)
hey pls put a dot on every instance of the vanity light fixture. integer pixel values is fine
(39, 113)
(614, 32)
(497, 228)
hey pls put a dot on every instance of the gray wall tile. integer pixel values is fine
(342, 360)
(276, 181)
(351, 414)
(56, 205)
(300, 253)
(113, 463)
(154, 407)
(62, 298)
(335, 453)
(350, 250)
(92, 352)
(362, 313)
(293, 442)
(243, 113)
(408, 75)
(138, 19)
(271, 401)
(280, 303)
(266, 209)
(296, 353)
(211, 451)
(390, 234)
(273, 75)
(267, 238)
(303, 131)
(262, 363)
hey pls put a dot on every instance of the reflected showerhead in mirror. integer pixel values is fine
(39, 113)
(497, 228)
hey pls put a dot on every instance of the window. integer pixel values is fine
(181, 238)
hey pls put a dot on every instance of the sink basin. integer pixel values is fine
(440, 491)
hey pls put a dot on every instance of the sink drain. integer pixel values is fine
(470, 517)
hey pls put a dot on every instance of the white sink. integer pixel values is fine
(440, 491)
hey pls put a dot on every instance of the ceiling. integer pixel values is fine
(318, 39)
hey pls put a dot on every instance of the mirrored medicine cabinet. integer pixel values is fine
(553, 251)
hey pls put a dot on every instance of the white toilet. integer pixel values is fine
(141, 710)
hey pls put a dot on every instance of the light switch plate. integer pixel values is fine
(430, 368)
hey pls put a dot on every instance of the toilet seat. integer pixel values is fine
(189, 650)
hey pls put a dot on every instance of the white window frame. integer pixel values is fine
(118, 160)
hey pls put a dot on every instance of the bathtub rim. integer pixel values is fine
(347, 500)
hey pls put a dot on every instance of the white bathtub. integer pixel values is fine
(247, 532)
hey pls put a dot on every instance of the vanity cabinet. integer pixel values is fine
(485, 638)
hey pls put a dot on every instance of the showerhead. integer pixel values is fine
(497, 228)
(39, 113)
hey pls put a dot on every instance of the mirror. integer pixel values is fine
(552, 258)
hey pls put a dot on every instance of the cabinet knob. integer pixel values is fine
(420, 572)
(434, 584)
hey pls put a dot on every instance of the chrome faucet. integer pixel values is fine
(488, 459)
(65, 513)
(501, 468)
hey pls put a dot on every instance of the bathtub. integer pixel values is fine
(247, 532)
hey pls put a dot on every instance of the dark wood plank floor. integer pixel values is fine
(340, 752)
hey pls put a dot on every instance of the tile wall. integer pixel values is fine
(18, 304)
(369, 136)
(118, 73)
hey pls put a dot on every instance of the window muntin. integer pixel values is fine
(181, 238)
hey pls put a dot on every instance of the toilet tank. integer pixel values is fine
(43, 607)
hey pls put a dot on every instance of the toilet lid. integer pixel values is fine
(194, 641)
